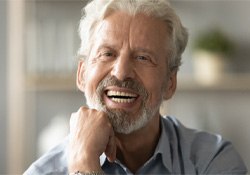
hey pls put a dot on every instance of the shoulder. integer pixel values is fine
(208, 153)
(52, 162)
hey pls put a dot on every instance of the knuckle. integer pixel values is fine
(109, 125)
(82, 109)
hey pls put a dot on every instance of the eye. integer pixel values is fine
(108, 54)
(145, 59)
(142, 58)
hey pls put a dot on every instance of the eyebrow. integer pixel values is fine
(141, 49)
(136, 49)
(107, 46)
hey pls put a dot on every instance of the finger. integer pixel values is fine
(111, 149)
(75, 117)
(113, 153)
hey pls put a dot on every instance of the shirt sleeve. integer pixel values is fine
(211, 154)
(204, 153)
(53, 162)
(33, 170)
(226, 161)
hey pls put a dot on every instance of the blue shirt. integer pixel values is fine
(179, 151)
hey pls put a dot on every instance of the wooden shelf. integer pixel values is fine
(229, 82)
(51, 83)
(232, 82)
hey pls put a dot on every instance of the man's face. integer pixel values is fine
(126, 74)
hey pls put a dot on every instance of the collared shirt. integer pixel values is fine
(179, 151)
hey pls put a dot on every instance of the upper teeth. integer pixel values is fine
(119, 93)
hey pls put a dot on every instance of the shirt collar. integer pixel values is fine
(102, 159)
(163, 148)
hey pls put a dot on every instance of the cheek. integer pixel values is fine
(155, 92)
(94, 74)
(92, 79)
(154, 85)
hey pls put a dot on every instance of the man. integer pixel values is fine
(130, 54)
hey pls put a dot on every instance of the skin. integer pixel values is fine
(125, 47)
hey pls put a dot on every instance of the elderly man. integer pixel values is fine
(129, 57)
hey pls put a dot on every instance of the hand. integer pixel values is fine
(91, 134)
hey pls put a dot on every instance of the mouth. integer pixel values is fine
(121, 97)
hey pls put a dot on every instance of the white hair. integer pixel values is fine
(97, 10)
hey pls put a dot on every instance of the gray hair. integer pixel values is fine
(97, 10)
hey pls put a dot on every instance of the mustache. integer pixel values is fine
(128, 83)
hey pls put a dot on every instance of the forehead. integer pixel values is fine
(139, 31)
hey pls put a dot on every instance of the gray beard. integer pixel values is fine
(123, 122)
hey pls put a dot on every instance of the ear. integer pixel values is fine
(171, 85)
(80, 78)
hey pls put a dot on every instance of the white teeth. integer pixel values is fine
(118, 93)
(121, 100)
(120, 97)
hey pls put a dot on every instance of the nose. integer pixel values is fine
(123, 68)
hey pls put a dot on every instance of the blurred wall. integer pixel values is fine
(3, 112)
(52, 39)
(232, 17)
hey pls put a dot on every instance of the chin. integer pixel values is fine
(126, 123)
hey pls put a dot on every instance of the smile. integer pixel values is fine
(121, 96)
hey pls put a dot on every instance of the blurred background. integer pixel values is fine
(38, 45)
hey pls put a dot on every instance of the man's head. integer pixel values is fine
(131, 51)
(98, 10)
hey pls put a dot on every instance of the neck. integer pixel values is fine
(136, 148)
